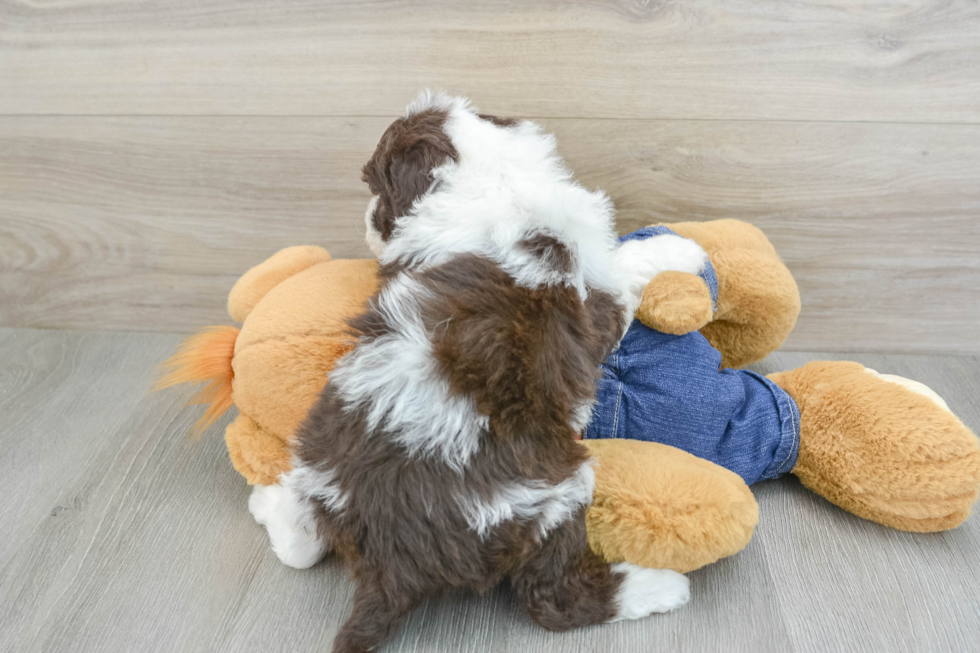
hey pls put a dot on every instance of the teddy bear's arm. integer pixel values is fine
(254, 284)
(758, 300)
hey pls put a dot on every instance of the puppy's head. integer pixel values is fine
(401, 169)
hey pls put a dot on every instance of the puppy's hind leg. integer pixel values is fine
(376, 612)
(565, 585)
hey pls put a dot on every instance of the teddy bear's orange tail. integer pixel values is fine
(204, 357)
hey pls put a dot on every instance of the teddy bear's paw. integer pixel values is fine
(645, 591)
(289, 521)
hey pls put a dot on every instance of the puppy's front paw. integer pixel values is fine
(645, 591)
(288, 519)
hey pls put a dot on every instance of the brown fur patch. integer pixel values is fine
(551, 251)
(400, 170)
(560, 597)
(529, 357)
(498, 121)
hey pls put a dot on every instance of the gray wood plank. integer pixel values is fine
(845, 584)
(123, 534)
(575, 58)
(145, 223)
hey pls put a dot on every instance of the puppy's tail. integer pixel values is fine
(204, 357)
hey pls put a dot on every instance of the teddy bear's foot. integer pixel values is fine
(883, 447)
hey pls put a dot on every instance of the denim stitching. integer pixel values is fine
(619, 395)
(796, 432)
(796, 436)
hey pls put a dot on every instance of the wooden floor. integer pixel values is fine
(122, 534)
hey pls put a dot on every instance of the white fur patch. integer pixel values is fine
(288, 519)
(439, 101)
(396, 380)
(319, 484)
(548, 505)
(645, 591)
(582, 416)
(507, 185)
(371, 236)
(639, 261)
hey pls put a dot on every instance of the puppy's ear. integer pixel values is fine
(400, 171)
(410, 172)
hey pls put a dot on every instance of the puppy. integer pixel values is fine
(442, 454)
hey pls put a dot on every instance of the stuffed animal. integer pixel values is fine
(885, 448)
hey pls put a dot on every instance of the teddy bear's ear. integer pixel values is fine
(675, 303)
(257, 282)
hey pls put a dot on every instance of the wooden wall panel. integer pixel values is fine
(911, 61)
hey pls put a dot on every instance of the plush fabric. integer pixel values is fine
(672, 389)
(257, 282)
(205, 358)
(287, 347)
(676, 303)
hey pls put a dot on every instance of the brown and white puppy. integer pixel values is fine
(442, 455)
